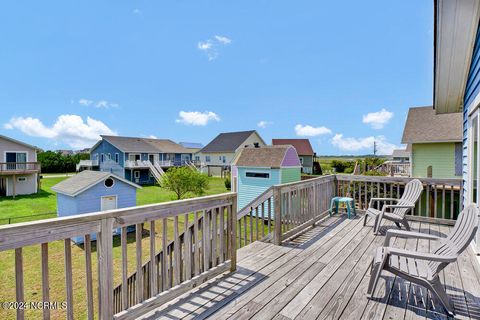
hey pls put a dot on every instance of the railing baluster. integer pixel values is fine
(88, 278)
(153, 253)
(68, 278)
(214, 237)
(222, 234)
(138, 256)
(176, 253)
(105, 262)
(19, 293)
(165, 271)
(188, 248)
(123, 240)
(45, 280)
(206, 240)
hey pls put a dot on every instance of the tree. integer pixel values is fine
(184, 180)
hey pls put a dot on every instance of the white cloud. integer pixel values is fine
(365, 144)
(68, 128)
(309, 131)
(223, 39)
(211, 46)
(151, 136)
(378, 119)
(196, 118)
(263, 124)
(137, 12)
(99, 104)
(85, 102)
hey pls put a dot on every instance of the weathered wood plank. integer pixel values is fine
(45, 280)
(88, 276)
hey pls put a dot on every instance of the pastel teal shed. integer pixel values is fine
(254, 170)
(93, 191)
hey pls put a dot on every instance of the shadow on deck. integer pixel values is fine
(324, 273)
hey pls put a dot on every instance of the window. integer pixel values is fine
(136, 174)
(109, 156)
(207, 158)
(263, 175)
(22, 179)
(473, 158)
(16, 160)
(224, 160)
(102, 157)
(117, 157)
(301, 159)
(109, 182)
(197, 158)
(220, 158)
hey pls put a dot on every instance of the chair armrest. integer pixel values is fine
(380, 200)
(420, 255)
(407, 234)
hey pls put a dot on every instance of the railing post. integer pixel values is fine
(105, 263)
(233, 235)
(277, 214)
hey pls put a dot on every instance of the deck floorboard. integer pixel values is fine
(324, 274)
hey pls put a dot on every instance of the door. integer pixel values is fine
(10, 158)
(3, 187)
(108, 203)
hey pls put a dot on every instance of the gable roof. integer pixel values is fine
(19, 142)
(424, 125)
(302, 146)
(145, 145)
(400, 153)
(266, 157)
(84, 180)
(229, 141)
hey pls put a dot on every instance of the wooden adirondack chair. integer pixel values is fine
(424, 268)
(395, 212)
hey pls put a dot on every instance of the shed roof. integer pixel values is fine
(424, 125)
(265, 157)
(303, 146)
(228, 141)
(400, 153)
(146, 145)
(84, 180)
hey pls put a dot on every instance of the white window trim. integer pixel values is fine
(117, 157)
(135, 174)
(8, 151)
(111, 185)
(259, 171)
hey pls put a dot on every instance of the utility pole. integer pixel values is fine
(374, 148)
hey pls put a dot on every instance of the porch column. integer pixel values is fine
(14, 184)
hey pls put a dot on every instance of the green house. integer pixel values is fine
(436, 143)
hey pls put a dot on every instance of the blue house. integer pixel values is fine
(139, 160)
(93, 191)
(254, 170)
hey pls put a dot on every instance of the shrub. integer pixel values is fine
(184, 180)
(228, 183)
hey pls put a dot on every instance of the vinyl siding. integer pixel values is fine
(106, 147)
(471, 92)
(441, 156)
(250, 188)
(290, 175)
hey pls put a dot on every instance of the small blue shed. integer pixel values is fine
(93, 191)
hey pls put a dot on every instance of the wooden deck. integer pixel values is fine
(324, 274)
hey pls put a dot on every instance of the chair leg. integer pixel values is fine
(375, 273)
(438, 289)
(405, 224)
(365, 220)
(376, 227)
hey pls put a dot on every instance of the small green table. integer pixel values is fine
(349, 204)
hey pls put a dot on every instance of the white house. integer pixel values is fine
(19, 169)
(217, 156)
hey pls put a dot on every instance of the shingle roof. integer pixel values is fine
(268, 157)
(302, 146)
(85, 180)
(227, 141)
(146, 145)
(424, 125)
(400, 153)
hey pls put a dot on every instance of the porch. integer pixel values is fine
(15, 168)
(280, 256)
(323, 274)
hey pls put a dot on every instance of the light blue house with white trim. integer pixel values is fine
(93, 191)
(139, 160)
(254, 170)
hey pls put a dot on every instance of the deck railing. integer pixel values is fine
(206, 249)
(199, 239)
(441, 199)
(6, 167)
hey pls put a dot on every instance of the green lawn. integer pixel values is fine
(43, 205)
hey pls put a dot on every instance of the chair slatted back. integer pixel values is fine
(458, 240)
(411, 194)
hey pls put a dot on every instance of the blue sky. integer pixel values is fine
(188, 70)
